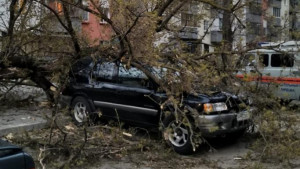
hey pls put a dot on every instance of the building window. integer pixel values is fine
(85, 16)
(255, 7)
(206, 48)
(276, 12)
(189, 15)
(191, 7)
(58, 7)
(255, 28)
(106, 13)
(220, 23)
(104, 42)
(191, 47)
(188, 19)
(206, 26)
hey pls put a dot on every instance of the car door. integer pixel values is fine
(103, 91)
(136, 95)
(282, 68)
(124, 94)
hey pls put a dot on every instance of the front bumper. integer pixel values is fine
(213, 125)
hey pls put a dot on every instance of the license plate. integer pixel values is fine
(245, 115)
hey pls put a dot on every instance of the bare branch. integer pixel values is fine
(71, 31)
(54, 12)
(214, 5)
(162, 25)
(163, 7)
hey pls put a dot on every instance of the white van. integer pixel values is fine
(279, 65)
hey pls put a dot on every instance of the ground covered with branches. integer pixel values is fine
(115, 145)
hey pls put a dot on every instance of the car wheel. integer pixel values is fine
(177, 135)
(80, 111)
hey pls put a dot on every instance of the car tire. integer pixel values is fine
(81, 111)
(177, 135)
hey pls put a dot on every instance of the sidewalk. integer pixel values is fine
(16, 120)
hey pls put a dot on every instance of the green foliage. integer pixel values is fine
(278, 127)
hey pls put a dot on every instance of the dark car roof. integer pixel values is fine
(13, 157)
(6, 144)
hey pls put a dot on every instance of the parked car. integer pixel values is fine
(279, 65)
(13, 157)
(131, 96)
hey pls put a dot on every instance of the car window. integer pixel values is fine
(82, 64)
(282, 60)
(105, 71)
(248, 60)
(132, 77)
(160, 73)
(264, 59)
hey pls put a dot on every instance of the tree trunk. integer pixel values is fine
(227, 32)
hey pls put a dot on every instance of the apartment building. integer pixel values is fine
(277, 19)
(198, 25)
(95, 29)
(294, 19)
(262, 20)
(194, 23)
(191, 25)
(259, 21)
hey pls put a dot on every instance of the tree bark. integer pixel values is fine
(227, 32)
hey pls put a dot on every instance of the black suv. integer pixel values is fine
(13, 157)
(131, 96)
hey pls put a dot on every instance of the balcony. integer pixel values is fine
(275, 3)
(253, 18)
(189, 33)
(255, 7)
(216, 36)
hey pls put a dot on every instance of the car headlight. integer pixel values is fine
(214, 107)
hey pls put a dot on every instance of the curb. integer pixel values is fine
(22, 127)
